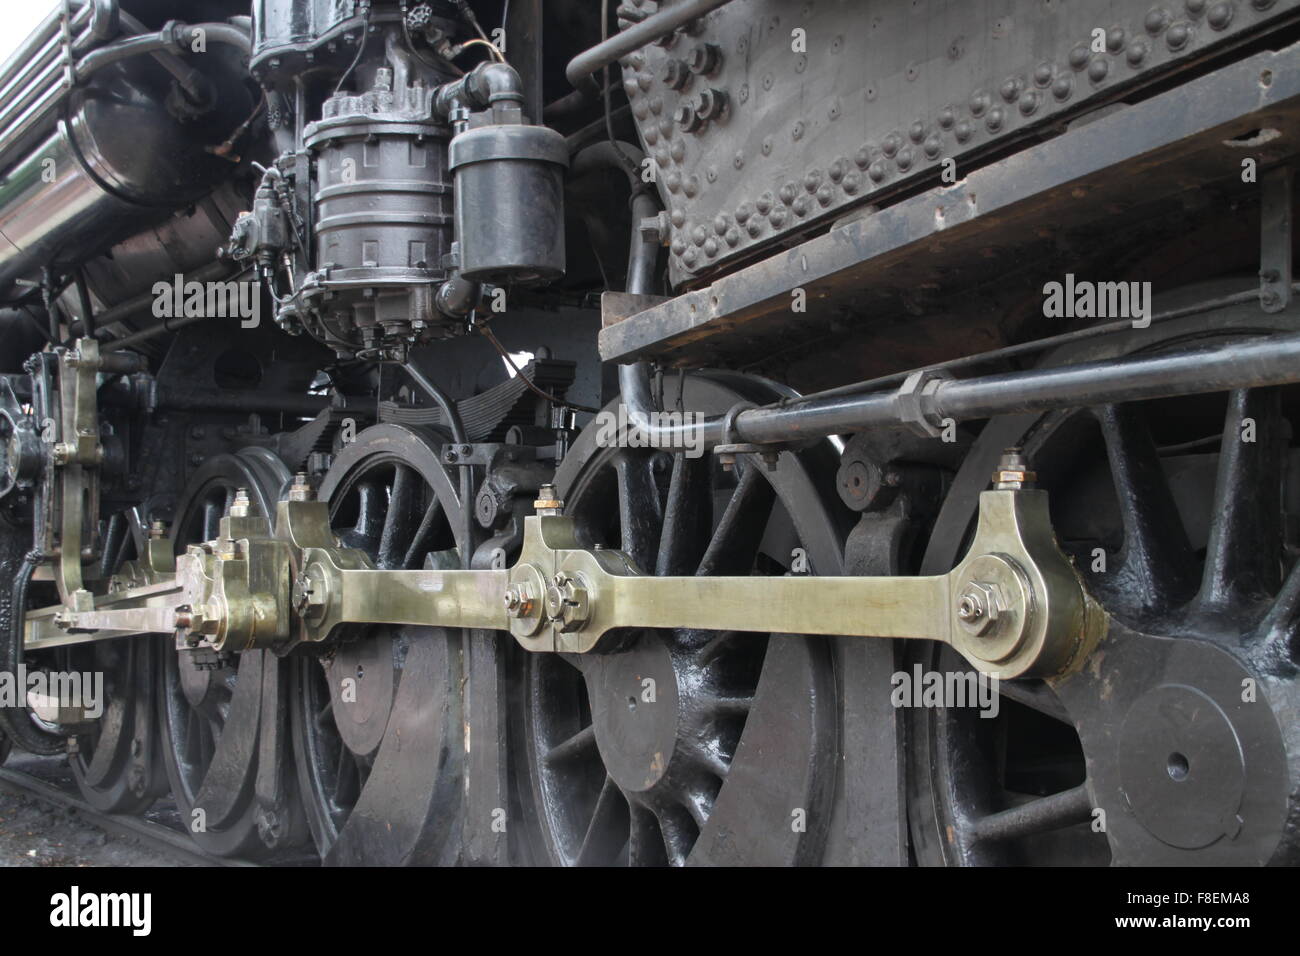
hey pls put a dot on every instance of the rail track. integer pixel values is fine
(156, 836)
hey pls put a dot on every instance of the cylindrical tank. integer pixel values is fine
(117, 163)
(383, 203)
(510, 203)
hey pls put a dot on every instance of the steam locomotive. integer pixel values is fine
(737, 432)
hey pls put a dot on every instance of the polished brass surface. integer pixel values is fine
(1014, 607)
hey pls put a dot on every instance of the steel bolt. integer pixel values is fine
(239, 509)
(548, 503)
(301, 489)
(978, 608)
(1012, 471)
(157, 530)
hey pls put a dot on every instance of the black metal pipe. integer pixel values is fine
(1273, 360)
(582, 66)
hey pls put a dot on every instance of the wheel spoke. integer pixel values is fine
(1278, 629)
(1035, 695)
(1243, 557)
(640, 512)
(371, 506)
(396, 534)
(740, 531)
(1156, 560)
(685, 516)
(1037, 816)
(645, 844)
(607, 832)
(581, 742)
(677, 834)
(422, 543)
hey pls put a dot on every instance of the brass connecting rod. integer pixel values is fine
(1014, 607)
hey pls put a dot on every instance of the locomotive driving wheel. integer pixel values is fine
(224, 739)
(1169, 747)
(680, 746)
(378, 734)
(117, 763)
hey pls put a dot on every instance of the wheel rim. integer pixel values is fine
(378, 755)
(623, 771)
(1130, 505)
(118, 765)
(212, 719)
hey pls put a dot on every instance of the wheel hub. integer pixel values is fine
(636, 711)
(361, 682)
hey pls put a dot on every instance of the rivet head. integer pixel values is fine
(802, 205)
(979, 103)
(699, 235)
(738, 161)
(1156, 21)
(862, 157)
(1195, 7)
(720, 225)
(904, 158)
(778, 217)
(1098, 69)
(1178, 35)
(933, 146)
(711, 248)
(678, 246)
(1220, 15)
(1062, 88)
(947, 118)
(1010, 89)
(788, 192)
(673, 181)
(743, 213)
(963, 131)
(891, 144)
(837, 170)
(813, 180)
(678, 218)
(690, 257)
(1043, 74)
(755, 228)
(1137, 52)
(1115, 39)
(825, 195)
(876, 171)
(995, 119)
(1028, 102)
(651, 135)
(916, 132)
(732, 238)
(764, 203)
(691, 187)
(1079, 56)
(852, 183)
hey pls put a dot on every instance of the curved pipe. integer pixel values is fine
(643, 256)
(582, 66)
(161, 46)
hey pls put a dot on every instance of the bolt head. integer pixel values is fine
(979, 607)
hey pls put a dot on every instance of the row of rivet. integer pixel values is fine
(753, 216)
